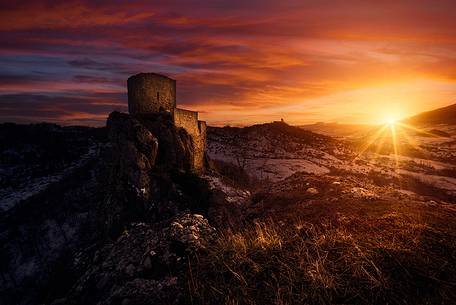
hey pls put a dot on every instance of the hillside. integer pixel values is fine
(332, 239)
(330, 222)
(445, 115)
(281, 215)
(273, 150)
(32, 157)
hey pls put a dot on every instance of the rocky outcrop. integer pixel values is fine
(145, 265)
(134, 150)
(176, 150)
(148, 152)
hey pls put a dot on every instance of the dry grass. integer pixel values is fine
(390, 259)
(334, 247)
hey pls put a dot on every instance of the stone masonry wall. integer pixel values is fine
(197, 130)
(187, 119)
(150, 93)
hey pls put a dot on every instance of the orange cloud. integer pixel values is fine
(235, 61)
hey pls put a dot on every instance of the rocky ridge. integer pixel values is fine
(126, 231)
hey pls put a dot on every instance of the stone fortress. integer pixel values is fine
(154, 93)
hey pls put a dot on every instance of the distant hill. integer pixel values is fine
(445, 115)
(337, 129)
(277, 132)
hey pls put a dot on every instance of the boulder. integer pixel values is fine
(312, 190)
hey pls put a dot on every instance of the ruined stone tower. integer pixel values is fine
(152, 93)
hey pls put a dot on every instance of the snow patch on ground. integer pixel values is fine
(9, 198)
(232, 194)
(277, 169)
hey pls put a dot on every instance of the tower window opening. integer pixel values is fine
(158, 96)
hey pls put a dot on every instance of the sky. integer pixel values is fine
(235, 62)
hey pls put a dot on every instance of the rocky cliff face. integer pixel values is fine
(149, 153)
(116, 231)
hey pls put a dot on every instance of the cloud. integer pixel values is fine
(229, 57)
(62, 109)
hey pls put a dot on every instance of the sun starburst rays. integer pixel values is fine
(395, 144)
(393, 137)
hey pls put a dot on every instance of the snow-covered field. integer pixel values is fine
(273, 157)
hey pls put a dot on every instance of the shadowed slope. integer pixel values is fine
(445, 115)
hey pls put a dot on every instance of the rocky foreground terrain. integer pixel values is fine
(282, 215)
(99, 216)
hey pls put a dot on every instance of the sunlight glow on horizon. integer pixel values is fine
(397, 135)
(391, 121)
(372, 105)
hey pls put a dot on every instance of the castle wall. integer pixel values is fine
(150, 92)
(187, 119)
(197, 130)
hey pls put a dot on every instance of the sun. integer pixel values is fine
(390, 121)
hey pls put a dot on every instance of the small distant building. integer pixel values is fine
(153, 93)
